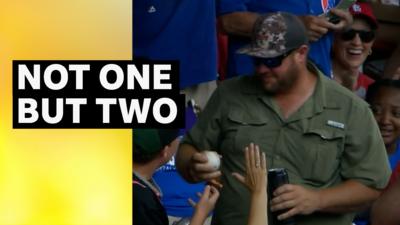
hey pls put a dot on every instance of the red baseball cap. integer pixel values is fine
(363, 9)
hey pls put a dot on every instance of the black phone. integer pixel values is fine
(334, 19)
(343, 5)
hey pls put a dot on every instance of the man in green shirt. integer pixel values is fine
(325, 137)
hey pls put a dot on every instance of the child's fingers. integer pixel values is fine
(191, 202)
(206, 192)
(215, 183)
(214, 194)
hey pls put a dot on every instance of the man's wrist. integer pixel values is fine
(321, 200)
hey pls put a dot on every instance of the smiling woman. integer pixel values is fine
(352, 47)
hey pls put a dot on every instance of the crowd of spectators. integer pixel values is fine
(269, 84)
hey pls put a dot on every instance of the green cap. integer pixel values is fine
(149, 141)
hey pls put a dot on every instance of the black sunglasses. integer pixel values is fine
(271, 62)
(365, 36)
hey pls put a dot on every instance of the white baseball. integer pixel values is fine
(213, 159)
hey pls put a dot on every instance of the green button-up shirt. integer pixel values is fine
(333, 137)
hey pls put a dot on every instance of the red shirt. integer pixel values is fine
(363, 82)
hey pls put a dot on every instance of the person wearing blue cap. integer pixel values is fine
(152, 148)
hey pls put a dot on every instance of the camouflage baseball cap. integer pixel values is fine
(275, 34)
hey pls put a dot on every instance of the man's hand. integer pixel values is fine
(199, 170)
(318, 26)
(345, 19)
(295, 198)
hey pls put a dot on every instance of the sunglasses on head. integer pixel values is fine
(365, 36)
(271, 62)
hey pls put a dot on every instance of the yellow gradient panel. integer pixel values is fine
(63, 176)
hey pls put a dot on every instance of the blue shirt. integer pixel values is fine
(394, 158)
(319, 51)
(183, 30)
(176, 191)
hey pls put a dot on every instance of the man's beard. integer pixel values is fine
(283, 82)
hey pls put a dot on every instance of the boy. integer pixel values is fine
(153, 148)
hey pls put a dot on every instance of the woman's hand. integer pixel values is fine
(256, 169)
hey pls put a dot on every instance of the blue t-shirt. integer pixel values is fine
(176, 191)
(394, 158)
(239, 64)
(178, 30)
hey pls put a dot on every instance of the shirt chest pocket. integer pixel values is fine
(245, 129)
(323, 148)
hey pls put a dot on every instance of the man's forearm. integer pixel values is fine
(239, 23)
(385, 209)
(348, 196)
(182, 160)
